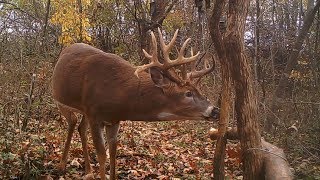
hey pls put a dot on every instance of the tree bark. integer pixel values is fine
(276, 166)
(230, 50)
(226, 89)
(80, 25)
(246, 103)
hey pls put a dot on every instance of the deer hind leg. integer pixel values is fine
(112, 132)
(83, 127)
(98, 142)
(72, 121)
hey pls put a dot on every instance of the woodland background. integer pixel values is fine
(33, 32)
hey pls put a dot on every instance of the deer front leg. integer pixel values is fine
(112, 132)
(83, 127)
(98, 142)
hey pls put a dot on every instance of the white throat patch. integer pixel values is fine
(164, 115)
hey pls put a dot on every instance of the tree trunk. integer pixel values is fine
(230, 50)
(80, 25)
(45, 27)
(246, 103)
(226, 89)
(275, 164)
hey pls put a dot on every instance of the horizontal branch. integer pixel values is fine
(231, 134)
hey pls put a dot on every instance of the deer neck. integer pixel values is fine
(148, 100)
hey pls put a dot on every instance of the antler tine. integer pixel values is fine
(153, 58)
(206, 70)
(184, 69)
(166, 48)
(168, 63)
(184, 60)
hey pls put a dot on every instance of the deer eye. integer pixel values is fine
(188, 94)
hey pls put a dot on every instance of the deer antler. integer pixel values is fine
(167, 62)
(198, 74)
(153, 58)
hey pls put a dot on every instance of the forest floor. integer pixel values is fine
(157, 150)
(154, 150)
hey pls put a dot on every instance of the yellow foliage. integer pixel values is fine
(297, 75)
(74, 25)
(303, 62)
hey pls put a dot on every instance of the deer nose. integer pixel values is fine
(215, 113)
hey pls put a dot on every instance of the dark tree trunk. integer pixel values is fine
(80, 26)
(293, 58)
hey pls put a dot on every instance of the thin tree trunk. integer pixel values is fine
(316, 47)
(230, 50)
(257, 41)
(45, 27)
(158, 13)
(80, 26)
(226, 89)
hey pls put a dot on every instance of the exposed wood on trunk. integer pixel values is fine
(231, 134)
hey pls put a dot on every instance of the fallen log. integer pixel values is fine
(276, 166)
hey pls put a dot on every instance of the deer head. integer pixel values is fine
(187, 102)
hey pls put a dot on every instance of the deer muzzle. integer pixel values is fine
(212, 113)
(215, 113)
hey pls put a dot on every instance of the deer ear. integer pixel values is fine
(159, 78)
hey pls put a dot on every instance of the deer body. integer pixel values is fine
(103, 87)
(89, 74)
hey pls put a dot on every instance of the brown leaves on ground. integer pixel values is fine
(160, 150)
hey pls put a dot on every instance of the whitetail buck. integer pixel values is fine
(107, 89)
